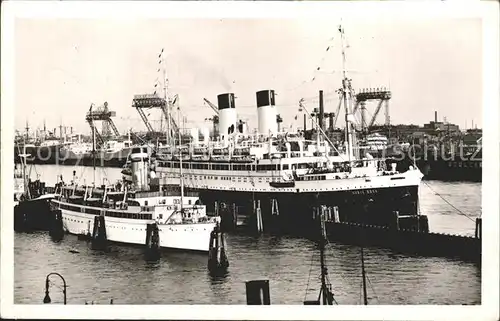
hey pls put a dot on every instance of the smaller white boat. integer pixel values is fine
(129, 210)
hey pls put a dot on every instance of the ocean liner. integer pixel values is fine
(285, 171)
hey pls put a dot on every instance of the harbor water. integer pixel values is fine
(290, 264)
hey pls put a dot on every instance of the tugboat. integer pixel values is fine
(31, 203)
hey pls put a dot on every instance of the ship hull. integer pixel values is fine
(360, 198)
(67, 157)
(452, 170)
(47, 154)
(295, 212)
(19, 149)
(444, 167)
(116, 159)
(32, 215)
(188, 237)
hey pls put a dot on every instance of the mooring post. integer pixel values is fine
(56, 228)
(217, 258)
(216, 208)
(479, 227)
(322, 219)
(99, 237)
(274, 207)
(336, 214)
(152, 242)
(258, 214)
(235, 216)
(258, 292)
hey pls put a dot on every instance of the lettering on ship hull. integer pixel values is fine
(364, 192)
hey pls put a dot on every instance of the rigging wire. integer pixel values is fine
(361, 291)
(316, 70)
(454, 207)
(373, 289)
(309, 277)
(79, 178)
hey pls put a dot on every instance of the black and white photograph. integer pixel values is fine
(170, 160)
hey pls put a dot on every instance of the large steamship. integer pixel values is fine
(288, 173)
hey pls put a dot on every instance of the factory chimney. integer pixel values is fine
(435, 116)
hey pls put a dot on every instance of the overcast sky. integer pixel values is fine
(62, 66)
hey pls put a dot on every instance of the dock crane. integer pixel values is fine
(103, 114)
(148, 101)
(382, 95)
(215, 118)
(214, 108)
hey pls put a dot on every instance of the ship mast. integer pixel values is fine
(180, 161)
(93, 144)
(327, 295)
(165, 97)
(345, 88)
(24, 164)
(27, 132)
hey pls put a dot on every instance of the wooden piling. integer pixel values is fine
(274, 207)
(217, 258)
(99, 237)
(258, 215)
(257, 292)
(56, 227)
(235, 216)
(152, 251)
(336, 214)
(479, 228)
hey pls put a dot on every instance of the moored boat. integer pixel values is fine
(129, 208)
(31, 203)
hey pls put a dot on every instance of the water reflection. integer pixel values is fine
(152, 265)
(218, 277)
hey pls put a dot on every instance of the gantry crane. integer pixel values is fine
(382, 95)
(360, 99)
(148, 101)
(103, 114)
